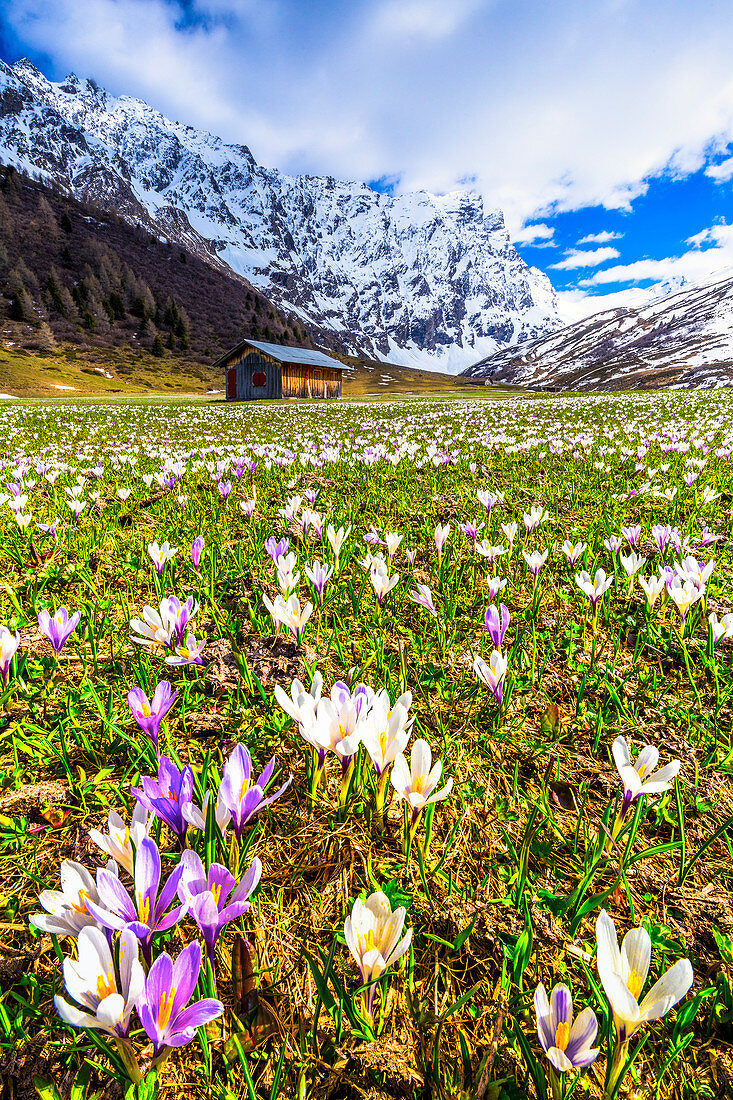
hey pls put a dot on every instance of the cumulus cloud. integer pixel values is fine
(600, 238)
(546, 107)
(540, 235)
(710, 256)
(722, 172)
(592, 257)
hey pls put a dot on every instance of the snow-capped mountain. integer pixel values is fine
(417, 279)
(678, 340)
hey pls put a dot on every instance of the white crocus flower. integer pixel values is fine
(416, 782)
(632, 563)
(722, 629)
(440, 536)
(623, 974)
(290, 614)
(9, 642)
(653, 589)
(372, 934)
(510, 530)
(535, 517)
(301, 703)
(684, 594)
(337, 539)
(155, 628)
(492, 674)
(535, 561)
(596, 588)
(121, 842)
(387, 729)
(392, 541)
(92, 982)
(159, 555)
(573, 552)
(382, 583)
(637, 778)
(66, 912)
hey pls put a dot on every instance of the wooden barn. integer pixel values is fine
(255, 371)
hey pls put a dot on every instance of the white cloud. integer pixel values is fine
(722, 172)
(697, 265)
(548, 107)
(574, 305)
(532, 234)
(576, 258)
(600, 238)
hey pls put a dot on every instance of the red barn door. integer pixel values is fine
(232, 384)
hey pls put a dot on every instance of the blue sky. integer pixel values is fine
(602, 128)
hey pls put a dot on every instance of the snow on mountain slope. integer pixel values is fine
(681, 339)
(417, 279)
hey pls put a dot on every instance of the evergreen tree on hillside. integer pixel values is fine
(157, 349)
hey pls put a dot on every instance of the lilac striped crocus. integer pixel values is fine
(58, 628)
(239, 798)
(147, 914)
(496, 621)
(150, 713)
(196, 547)
(169, 797)
(169, 1021)
(567, 1043)
(275, 549)
(9, 643)
(215, 899)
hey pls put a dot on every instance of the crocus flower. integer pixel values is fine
(488, 498)
(721, 630)
(614, 543)
(567, 1044)
(495, 585)
(471, 529)
(632, 535)
(684, 594)
(372, 934)
(159, 555)
(248, 507)
(301, 703)
(423, 597)
(337, 539)
(632, 563)
(594, 589)
(215, 899)
(653, 588)
(169, 796)
(146, 916)
(9, 643)
(319, 575)
(155, 628)
(59, 627)
(106, 1004)
(178, 614)
(121, 842)
(196, 547)
(486, 550)
(386, 729)
(573, 553)
(382, 583)
(535, 561)
(440, 536)
(634, 775)
(661, 535)
(239, 798)
(497, 622)
(535, 517)
(162, 1004)
(416, 782)
(149, 714)
(66, 910)
(225, 488)
(510, 530)
(289, 614)
(623, 975)
(188, 652)
(276, 549)
(492, 674)
(287, 578)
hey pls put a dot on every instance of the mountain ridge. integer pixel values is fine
(416, 278)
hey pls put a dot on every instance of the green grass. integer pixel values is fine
(519, 865)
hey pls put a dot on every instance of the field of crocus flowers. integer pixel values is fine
(367, 750)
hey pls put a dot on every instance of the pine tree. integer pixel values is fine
(66, 222)
(53, 290)
(157, 349)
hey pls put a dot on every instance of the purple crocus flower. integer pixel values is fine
(179, 615)
(196, 547)
(471, 529)
(238, 799)
(225, 488)
(497, 624)
(147, 915)
(169, 797)
(632, 535)
(251, 465)
(567, 1043)
(149, 714)
(215, 899)
(162, 1004)
(58, 628)
(276, 549)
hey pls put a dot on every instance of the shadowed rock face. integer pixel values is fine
(414, 278)
(680, 340)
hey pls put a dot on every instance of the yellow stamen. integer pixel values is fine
(143, 908)
(81, 907)
(641, 770)
(562, 1035)
(245, 788)
(634, 984)
(172, 794)
(106, 985)
(166, 1008)
(367, 942)
(383, 742)
(418, 784)
(146, 711)
(216, 892)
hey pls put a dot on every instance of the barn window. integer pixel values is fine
(259, 378)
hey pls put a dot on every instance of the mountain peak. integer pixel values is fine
(419, 279)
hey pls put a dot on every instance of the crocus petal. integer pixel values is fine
(670, 989)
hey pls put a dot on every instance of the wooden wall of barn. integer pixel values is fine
(301, 380)
(250, 366)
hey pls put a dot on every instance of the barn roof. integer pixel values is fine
(285, 354)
